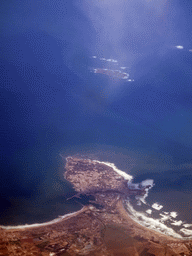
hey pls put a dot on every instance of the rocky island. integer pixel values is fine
(102, 228)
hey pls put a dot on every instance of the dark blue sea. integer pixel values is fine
(60, 96)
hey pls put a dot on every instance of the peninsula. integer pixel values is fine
(102, 228)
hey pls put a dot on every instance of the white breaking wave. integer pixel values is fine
(161, 223)
(123, 174)
(141, 217)
(157, 224)
(151, 223)
(157, 206)
(147, 184)
(186, 232)
(44, 223)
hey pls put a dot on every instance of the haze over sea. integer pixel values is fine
(54, 102)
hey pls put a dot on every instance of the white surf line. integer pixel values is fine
(123, 174)
(177, 223)
(157, 206)
(149, 211)
(151, 223)
(144, 184)
(186, 232)
(112, 165)
(173, 214)
(187, 225)
(158, 224)
(35, 225)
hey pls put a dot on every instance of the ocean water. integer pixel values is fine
(166, 206)
(113, 128)
(53, 103)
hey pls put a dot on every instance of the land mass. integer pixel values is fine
(102, 228)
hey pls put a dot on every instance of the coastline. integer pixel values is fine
(94, 229)
(36, 225)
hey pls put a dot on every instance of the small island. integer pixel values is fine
(102, 228)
